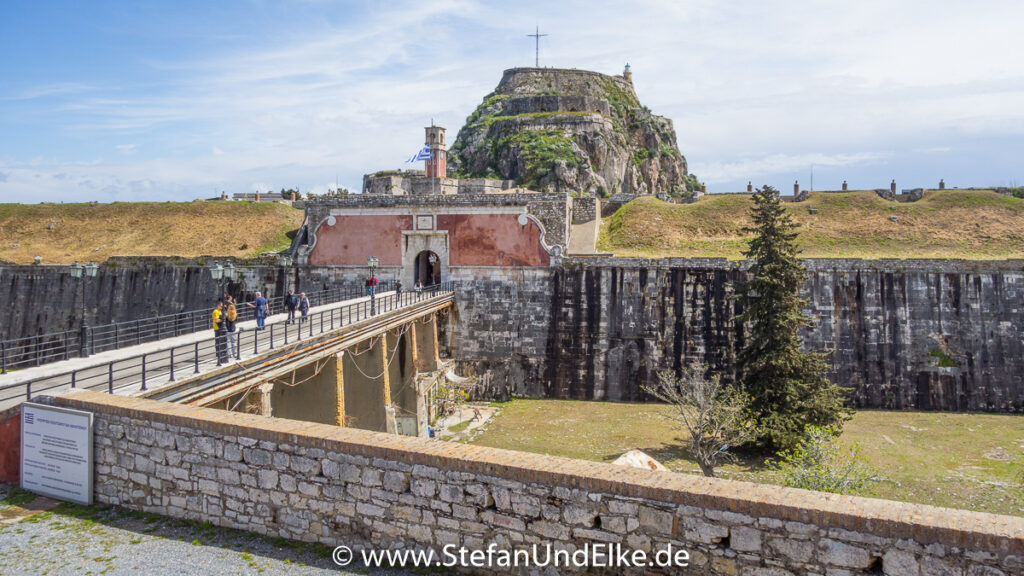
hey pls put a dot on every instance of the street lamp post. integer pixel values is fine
(432, 258)
(372, 262)
(83, 272)
(285, 261)
(225, 272)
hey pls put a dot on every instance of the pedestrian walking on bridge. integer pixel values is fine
(303, 305)
(291, 301)
(260, 306)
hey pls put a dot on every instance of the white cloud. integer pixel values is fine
(774, 164)
(756, 89)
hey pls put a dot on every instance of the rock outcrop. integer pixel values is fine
(574, 131)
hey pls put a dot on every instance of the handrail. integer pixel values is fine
(57, 346)
(150, 367)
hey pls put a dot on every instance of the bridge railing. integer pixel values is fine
(169, 365)
(56, 346)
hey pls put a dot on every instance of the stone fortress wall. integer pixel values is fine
(917, 334)
(415, 182)
(552, 210)
(927, 334)
(542, 104)
(340, 486)
(557, 80)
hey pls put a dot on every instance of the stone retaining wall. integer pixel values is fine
(320, 483)
(585, 209)
(902, 334)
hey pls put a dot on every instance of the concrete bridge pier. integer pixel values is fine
(309, 393)
(365, 385)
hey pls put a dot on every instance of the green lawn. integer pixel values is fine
(972, 461)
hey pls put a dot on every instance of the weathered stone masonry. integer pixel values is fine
(320, 483)
(933, 335)
(924, 334)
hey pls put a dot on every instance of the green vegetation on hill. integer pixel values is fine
(62, 233)
(971, 224)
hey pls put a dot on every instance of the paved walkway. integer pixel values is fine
(74, 540)
(93, 368)
(583, 237)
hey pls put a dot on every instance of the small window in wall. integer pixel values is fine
(427, 269)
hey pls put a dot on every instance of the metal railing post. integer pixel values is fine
(74, 378)
(197, 356)
(67, 343)
(172, 364)
(110, 374)
(143, 371)
(3, 357)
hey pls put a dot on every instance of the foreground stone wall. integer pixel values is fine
(931, 335)
(320, 483)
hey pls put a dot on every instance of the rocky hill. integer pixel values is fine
(571, 130)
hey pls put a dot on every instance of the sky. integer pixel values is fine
(129, 101)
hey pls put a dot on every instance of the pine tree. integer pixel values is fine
(787, 385)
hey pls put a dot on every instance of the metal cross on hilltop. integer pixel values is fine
(536, 35)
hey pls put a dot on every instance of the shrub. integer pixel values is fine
(818, 462)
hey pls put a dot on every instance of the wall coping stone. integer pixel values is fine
(922, 523)
(847, 264)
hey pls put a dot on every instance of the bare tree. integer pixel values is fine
(716, 416)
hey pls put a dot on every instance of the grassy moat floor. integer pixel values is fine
(970, 461)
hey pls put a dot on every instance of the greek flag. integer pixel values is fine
(423, 154)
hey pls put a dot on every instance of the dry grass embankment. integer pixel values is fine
(96, 232)
(970, 461)
(971, 224)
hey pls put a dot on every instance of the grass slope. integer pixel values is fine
(971, 461)
(96, 232)
(971, 224)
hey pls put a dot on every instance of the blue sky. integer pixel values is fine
(179, 100)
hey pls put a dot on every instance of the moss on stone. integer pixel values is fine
(540, 151)
(945, 360)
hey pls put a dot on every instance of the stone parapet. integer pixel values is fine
(320, 483)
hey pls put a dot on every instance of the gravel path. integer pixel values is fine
(91, 540)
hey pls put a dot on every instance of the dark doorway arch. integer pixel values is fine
(427, 269)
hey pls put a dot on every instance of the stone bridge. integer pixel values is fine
(364, 363)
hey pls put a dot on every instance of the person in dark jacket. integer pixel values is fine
(291, 301)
